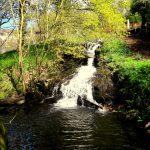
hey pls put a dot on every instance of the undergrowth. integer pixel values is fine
(41, 61)
(131, 77)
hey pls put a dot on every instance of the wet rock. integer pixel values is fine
(34, 97)
(47, 93)
(97, 95)
(20, 102)
(84, 102)
(97, 58)
(79, 101)
(49, 100)
(53, 99)
(14, 100)
(147, 128)
(103, 88)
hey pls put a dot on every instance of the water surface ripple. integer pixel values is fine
(46, 128)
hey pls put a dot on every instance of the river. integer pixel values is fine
(45, 127)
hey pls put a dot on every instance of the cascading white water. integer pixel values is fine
(79, 85)
(92, 48)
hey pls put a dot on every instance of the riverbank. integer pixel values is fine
(131, 76)
(44, 66)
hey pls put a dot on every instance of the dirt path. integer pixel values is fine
(139, 44)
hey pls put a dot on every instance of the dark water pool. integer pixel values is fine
(46, 128)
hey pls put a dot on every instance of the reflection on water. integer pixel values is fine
(44, 128)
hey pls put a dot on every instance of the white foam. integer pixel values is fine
(79, 85)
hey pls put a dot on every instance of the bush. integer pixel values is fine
(132, 76)
(135, 17)
(40, 62)
(8, 61)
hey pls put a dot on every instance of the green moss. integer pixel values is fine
(8, 60)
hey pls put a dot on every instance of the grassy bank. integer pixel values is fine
(41, 62)
(131, 78)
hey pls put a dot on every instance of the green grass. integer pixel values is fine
(7, 62)
(41, 61)
(137, 70)
(133, 76)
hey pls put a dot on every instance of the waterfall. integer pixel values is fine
(79, 85)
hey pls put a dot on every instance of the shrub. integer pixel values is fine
(132, 76)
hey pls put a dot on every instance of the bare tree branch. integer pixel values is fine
(7, 38)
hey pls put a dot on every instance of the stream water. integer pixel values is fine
(44, 127)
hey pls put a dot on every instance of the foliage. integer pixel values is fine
(8, 60)
(8, 79)
(71, 20)
(135, 17)
(143, 8)
(132, 76)
(48, 31)
(111, 14)
(40, 61)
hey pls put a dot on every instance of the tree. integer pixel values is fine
(109, 15)
(62, 25)
(5, 14)
(18, 15)
(22, 31)
(143, 8)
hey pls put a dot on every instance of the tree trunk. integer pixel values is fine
(22, 31)
(143, 21)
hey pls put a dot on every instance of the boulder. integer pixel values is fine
(46, 93)
(84, 102)
(14, 100)
(103, 87)
(147, 128)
